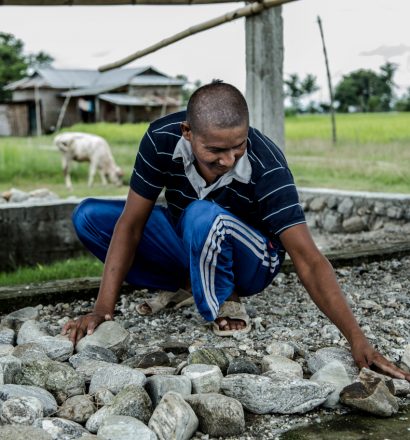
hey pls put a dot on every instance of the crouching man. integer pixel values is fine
(232, 213)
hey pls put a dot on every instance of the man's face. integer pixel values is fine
(217, 150)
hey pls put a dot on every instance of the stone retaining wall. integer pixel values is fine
(42, 232)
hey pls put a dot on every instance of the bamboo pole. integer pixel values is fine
(329, 82)
(254, 8)
(110, 2)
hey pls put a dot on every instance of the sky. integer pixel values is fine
(359, 34)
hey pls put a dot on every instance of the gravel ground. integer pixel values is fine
(377, 292)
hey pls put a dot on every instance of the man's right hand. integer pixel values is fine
(84, 325)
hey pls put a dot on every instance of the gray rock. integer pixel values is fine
(218, 415)
(16, 319)
(157, 371)
(371, 394)
(93, 352)
(332, 222)
(7, 335)
(124, 428)
(148, 360)
(204, 378)
(109, 335)
(21, 411)
(60, 429)
(264, 394)
(18, 196)
(23, 433)
(325, 355)
(58, 348)
(87, 368)
(280, 348)
(47, 399)
(132, 401)
(346, 207)
(241, 365)
(210, 356)
(401, 387)
(173, 418)
(394, 212)
(281, 365)
(114, 377)
(158, 386)
(406, 357)
(10, 367)
(176, 347)
(335, 374)
(354, 224)
(59, 378)
(29, 352)
(77, 409)
(317, 204)
(103, 397)
(6, 349)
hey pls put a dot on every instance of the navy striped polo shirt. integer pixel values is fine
(268, 201)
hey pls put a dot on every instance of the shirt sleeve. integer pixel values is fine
(147, 177)
(278, 201)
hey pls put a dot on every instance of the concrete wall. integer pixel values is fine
(43, 233)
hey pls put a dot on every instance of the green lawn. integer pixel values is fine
(372, 153)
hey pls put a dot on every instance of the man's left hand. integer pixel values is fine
(366, 356)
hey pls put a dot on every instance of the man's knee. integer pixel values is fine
(84, 213)
(202, 210)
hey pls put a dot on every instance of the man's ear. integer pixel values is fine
(186, 131)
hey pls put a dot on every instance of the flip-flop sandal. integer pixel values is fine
(232, 310)
(165, 299)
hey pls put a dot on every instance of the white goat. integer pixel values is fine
(84, 147)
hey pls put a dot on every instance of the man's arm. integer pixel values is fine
(125, 239)
(319, 279)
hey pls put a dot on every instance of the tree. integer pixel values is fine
(403, 104)
(188, 88)
(297, 88)
(367, 91)
(14, 64)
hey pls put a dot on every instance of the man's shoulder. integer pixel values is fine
(169, 124)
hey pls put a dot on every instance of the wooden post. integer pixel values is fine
(329, 82)
(264, 73)
(38, 110)
(62, 112)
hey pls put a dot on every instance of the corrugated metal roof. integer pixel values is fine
(128, 100)
(92, 91)
(155, 80)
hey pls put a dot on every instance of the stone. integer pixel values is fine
(132, 401)
(335, 374)
(114, 378)
(218, 415)
(325, 355)
(204, 378)
(158, 371)
(242, 365)
(47, 400)
(332, 222)
(87, 368)
(7, 335)
(281, 349)
(210, 356)
(93, 352)
(281, 365)
(77, 409)
(10, 366)
(58, 348)
(6, 349)
(317, 204)
(346, 207)
(59, 378)
(173, 418)
(31, 351)
(264, 394)
(109, 335)
(394, 212)
(21, 411)
(16, 319)
(405, 359)
(175, 347)
(18, 196)
(354, 224)
(124, 428)
(60, 428)
(103, 397)
(148, 360)
(23, 432)
(371, 394)
(401, 387)
(158, 386)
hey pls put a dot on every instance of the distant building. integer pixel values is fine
(51, 98)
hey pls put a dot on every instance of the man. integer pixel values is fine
(232, 213)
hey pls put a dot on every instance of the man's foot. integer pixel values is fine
(232, 318)
(164, 300)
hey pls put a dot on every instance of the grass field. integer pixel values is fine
(372, 153)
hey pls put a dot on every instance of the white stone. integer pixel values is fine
(204, 378)
(114, 378)
(281, 365)
(77, 408)
(21, 411)
(281, 349)
(60, 428)
(124, 428)
(158, 386)
(15, 319)
(6, 349)
(10, 366)
(335, 374)
(406, 356)
(326, 355)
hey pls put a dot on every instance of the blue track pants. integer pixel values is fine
(218, 251)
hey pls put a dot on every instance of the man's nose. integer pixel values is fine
(228, 158)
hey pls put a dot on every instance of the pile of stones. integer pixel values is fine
(36, 196)
(173, 390)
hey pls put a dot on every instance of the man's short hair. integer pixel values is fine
(217, 105)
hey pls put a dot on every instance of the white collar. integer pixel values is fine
(241, 172)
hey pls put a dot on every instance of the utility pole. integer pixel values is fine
(329, 81)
